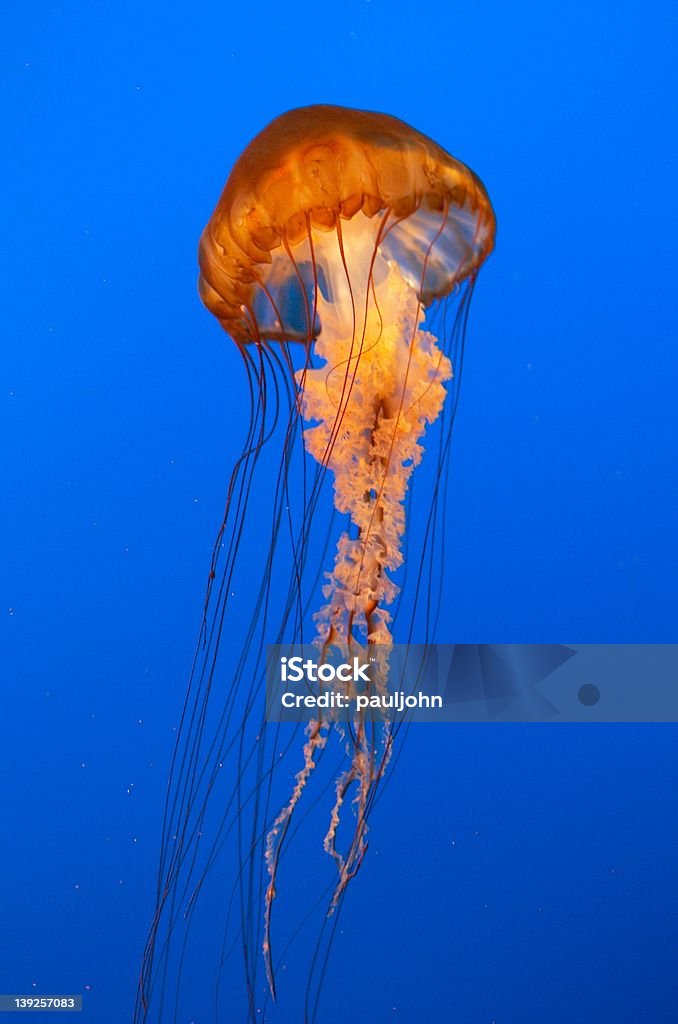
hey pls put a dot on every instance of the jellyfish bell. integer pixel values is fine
(305, 203)
(340, 259)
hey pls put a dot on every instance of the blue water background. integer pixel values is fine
(517, 874)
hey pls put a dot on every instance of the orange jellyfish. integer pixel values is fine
(341, 258)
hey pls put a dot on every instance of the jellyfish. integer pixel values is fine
(340, 260)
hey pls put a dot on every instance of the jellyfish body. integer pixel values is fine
(339, 233)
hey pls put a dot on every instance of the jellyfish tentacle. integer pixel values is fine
(372, 446)
(316, 739)
(349, 864)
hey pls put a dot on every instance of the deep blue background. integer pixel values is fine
(517, 874)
